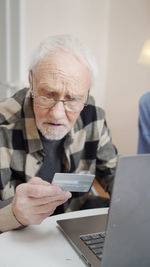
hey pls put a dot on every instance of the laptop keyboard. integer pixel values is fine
(95, 243)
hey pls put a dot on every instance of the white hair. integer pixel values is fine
(68, 43)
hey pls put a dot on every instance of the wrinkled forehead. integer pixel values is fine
(62, 67)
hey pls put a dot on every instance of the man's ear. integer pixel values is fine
(29, 78)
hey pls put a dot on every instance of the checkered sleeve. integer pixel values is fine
(9, 112)
(106, 157)
(6, 215)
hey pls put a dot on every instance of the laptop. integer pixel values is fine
(126, 229)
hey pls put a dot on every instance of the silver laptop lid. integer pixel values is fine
(127, 241)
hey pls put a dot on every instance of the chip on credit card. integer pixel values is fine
(74, 182)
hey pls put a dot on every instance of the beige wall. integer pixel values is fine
(126, 80)
(115, 30)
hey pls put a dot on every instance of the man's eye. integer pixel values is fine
(47, 93)
(73, 100)
(69, 98)
(50, 95)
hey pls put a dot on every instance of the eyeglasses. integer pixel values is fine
(72, 105)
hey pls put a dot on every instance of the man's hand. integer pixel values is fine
(36, 200)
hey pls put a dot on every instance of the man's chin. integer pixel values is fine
(53, 135)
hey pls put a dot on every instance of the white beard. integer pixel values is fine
(54, 132)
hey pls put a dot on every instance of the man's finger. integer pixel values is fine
(51, 199)
(38, 190)
(47, 208)
(37, 180)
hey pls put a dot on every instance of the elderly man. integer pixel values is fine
(52, 127)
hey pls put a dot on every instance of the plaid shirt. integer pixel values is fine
(87, 148)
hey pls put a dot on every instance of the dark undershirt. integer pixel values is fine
(52, 160)
(51, 163)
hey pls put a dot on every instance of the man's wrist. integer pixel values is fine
(8, 220)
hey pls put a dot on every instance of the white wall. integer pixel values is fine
(126, 80)
(12, 45)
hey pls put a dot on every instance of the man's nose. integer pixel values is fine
(58, 110)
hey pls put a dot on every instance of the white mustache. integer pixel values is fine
(64, 122)
(51, 133)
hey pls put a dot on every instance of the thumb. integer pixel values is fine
(38, 180)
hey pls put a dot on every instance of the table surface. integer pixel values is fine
(42, 245)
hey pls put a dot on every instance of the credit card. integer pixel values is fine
(74, 182)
